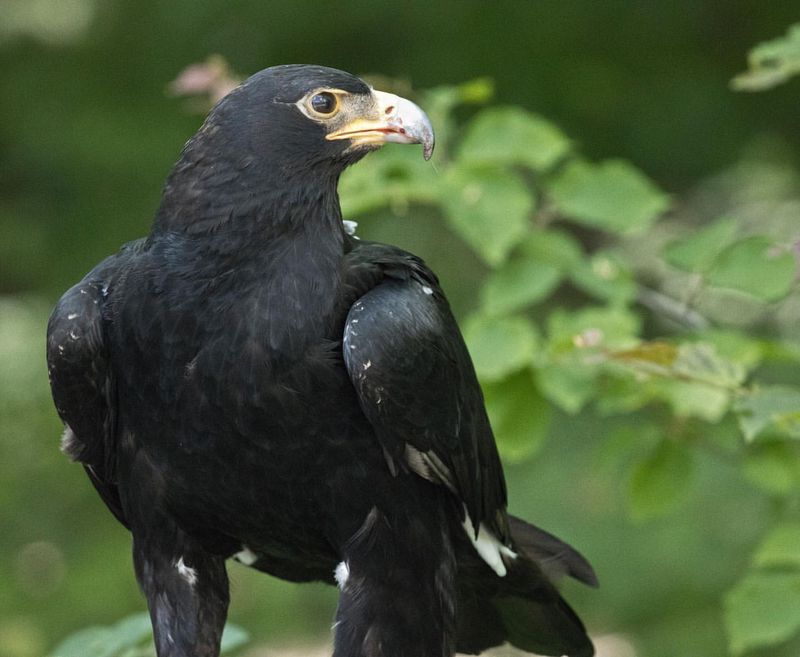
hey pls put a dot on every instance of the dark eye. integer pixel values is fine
(324, 103)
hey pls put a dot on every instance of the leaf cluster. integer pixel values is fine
(586, 307)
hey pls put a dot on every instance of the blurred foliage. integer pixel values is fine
(771, 63)
(130, 637)
(46, 21)
(639, 350)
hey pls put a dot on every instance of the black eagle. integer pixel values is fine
(251, 382)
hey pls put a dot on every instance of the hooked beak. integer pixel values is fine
(396, 120)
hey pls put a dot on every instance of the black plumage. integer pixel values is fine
(249, 381)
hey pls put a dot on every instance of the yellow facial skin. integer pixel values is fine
(373, 119)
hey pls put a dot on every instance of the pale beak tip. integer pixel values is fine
(427, 148)
(423, 134)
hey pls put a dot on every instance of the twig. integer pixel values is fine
(670, 308)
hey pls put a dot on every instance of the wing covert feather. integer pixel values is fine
(417, 386)
(78, 364)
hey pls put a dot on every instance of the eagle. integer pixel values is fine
(252, 382)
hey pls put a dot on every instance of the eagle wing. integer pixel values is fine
(81, 380)
(416, 385)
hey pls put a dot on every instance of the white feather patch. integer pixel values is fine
(70, 445)
(187, 572)
(488, 546)
(246, 556)
(341, 573)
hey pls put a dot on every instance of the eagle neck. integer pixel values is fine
(215, 189)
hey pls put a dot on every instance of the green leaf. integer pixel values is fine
(569, 385)
(567, 373)
(395, 178)
(605, 276)
(489, 209)
(106, 641)
(700, 362)
(657, 355)
(475, 92)
(510, 135)
(445, 98)
(771, 63)
(756, 266)
(692, 378)
(660, 482)
(736, 347)
(439, 103)
(615, 450)
(691, 362)
(128, 637)
(500, 346)
(89, 642)
(519, 414)
(622, 395)
(697, 251)
(781, 547)
(553, 247)
(132, 630)
(593, 326)
(612, 195)
(763, 609)
(695, 399)
(770, 409)
(772, 466)
(517, 284)
(233, 637)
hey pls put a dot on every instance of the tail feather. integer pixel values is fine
(555, 557)
(480, 625)
(524, 608)
(547, 627)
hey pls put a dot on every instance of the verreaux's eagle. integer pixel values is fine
(250, 381)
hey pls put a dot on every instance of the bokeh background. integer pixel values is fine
(88, 132)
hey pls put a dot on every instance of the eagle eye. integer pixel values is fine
(324, 103)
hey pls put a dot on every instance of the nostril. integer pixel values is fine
(389, 109)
